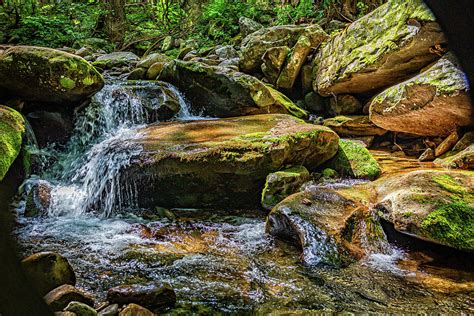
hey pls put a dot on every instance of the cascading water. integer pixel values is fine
(86, 177)
(216, 263)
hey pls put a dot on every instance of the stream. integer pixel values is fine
(216, 262)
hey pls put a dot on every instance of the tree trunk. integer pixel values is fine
(115, 20)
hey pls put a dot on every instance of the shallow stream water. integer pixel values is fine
(217, 263)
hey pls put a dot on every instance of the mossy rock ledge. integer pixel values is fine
(436, 206)
(223, 163)
(380, 49)
(47, 75)
(12, 129)
(434, 103)
(223, 92)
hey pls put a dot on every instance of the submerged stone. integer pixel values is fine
(382, 48)
(47, 75)
(330, 228)
(434, 103)
(354, 160)
(223, 92)
(223, 163)
(38, 199)
(437, 206)
(281, 184)
(12, 129)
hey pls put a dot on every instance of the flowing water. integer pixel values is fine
(217, 263)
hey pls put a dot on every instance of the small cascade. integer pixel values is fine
(86, 177)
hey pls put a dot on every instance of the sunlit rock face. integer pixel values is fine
(434, 103)
(223, 163)
(437, 206)
(382, 48)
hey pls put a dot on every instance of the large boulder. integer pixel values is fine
(47, 75)
(223, 163)
(330, 228)
(223, 92)
(437, 206)
(382, 48)
(354, 160)
(48, 270)
(149, 60)
(12, 129)
(256, 44)
(434, 103)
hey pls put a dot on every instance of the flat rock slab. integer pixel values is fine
(223, 163)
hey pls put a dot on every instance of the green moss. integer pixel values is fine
(12, 129)
(453, 224)
(353, 159)
(443, 76)
(329, 173)
(67, 83)
(450, 184)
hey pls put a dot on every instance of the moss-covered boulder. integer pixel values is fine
(354, 160)
(116, 59)
(330, 228)
(47, 75)
(256, 44)
(281, 184)
(223, 92)
(12, 129)
(436, 206)
(294, 62)
(223, 163)
(382, 48)
(354, 125)
(434, 103)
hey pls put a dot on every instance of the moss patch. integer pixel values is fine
(353, 159)
(12, 129)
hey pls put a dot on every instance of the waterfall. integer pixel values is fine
(87, 174)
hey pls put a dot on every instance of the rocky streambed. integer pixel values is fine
(299, 172)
